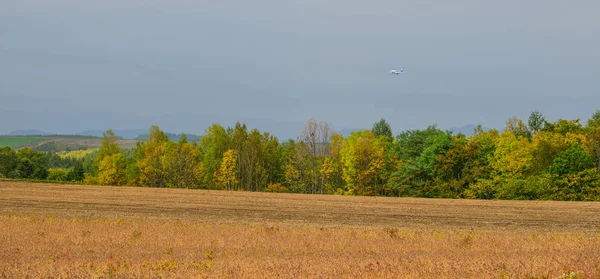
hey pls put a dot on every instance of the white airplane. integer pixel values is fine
(397, 72)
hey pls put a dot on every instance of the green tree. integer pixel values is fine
(417, 152)
(296, 166)
(214, 142)
(536, 122)
(410, 144)
(31, 164)
(435, 146)
(563, 127)
(382, 128)
(77, 173)
(8, 161)
(592, 131)
(594, 121)
(573, 160)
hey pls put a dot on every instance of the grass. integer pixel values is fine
(53, 230)
(16, 141)
(59, 143)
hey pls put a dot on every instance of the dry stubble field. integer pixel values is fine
(52, 230)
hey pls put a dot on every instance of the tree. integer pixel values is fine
(536, 122)
(150, 158)
(573, 160)
(563, 127)
(517, 127)
(182, 165)
(310, 140)
(410, 144)
(77, 173)
(544, 147)
(252, 161)
(417, 151)
(435, 146)
(594, 121)
(383, 129)
(110, 162)
(31, 164)
(593, 134)
(315, 139)
(226, 175)
(214, 142)
(512, 157)
(296, 160)
(274, 160)
(332, 168)
(109, 146)
(112, 170)
(363, 158)
(8, 161)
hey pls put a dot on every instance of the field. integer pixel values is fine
(53, 230)
(59, 143)
(17, 141)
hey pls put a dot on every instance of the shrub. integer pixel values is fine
(276, 188)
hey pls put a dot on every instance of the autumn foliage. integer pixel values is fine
(534, 159)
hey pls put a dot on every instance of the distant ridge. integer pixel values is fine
(123, 133)
(29, 132)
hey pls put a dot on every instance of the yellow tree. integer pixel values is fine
(517, 127)
(150, 162)
(512, 157)
(593, 143)
(547, 144)
(110, 162)
(182, 165)
(363, 158)
(544, 146)
(226, 175)
(112, 170)
(109, 146)
(332, 167)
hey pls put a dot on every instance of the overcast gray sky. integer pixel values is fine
(181, 64)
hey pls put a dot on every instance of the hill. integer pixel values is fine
(17, 141)
(125, 134)
(29, 132)
(58, 143)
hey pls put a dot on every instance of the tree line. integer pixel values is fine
(530, 160)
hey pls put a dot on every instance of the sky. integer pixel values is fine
(68, 66)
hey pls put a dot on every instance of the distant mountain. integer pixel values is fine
(29, 132)
(466, 130)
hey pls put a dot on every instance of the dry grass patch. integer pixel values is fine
(64, 247)
(110, 232)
